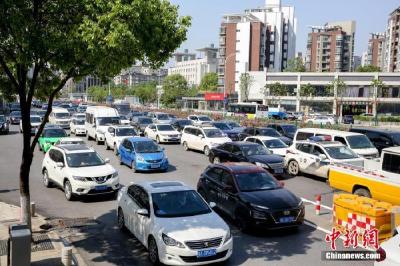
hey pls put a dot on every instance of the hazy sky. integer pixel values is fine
(370, 15)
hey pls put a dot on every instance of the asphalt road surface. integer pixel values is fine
(103, 244)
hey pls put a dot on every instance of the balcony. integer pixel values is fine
(222, 31)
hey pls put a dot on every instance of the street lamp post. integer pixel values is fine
(226, 60)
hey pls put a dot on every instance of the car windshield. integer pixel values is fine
(2, 119)
(123, 108)
(165, 128)
(71, 142)
(147, 147)
(204, 118)
(85, 159)
(256, 181)
(359, 142)
(185, 123)
(62, 115)
(163, 117)
(122, 117)
(289, 129)
(341, 153)
(80, 116)
(270, 132)
(136, 114)
(107, 120)
(54, 133)
(35, 119)
(222, 126)
(396, 138)
(41, 113)
(172, 116)
(146, 121)
(79, 122)
(275, 144)
(121, 132)
(250, 150)
(15, 113)
(214, 133)
(233, 124)
(179, 204)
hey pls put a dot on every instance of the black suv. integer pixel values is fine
(286, 130)
(180, 124)
(248, 152)
(263, 131)
(381, 138)
(250, 196)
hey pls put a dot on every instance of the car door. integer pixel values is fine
(51, 165)
(212, 182)
(236, 154)
(142, 223)
(109, 135)
(318, 167)
(123, 151)
(304, 158)
(57, 170)
(153, 132)
(228, 194)
(131, 207)
(247, 132)
(198, 139)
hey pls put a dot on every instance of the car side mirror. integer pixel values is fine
(107, 160)
(143, 212)
(322, 157)
(200, 136)
(212, 205)
(93, 126)
(60, 164)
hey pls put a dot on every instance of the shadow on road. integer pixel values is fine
(8, 190)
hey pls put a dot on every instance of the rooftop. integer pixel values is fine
(163, 186)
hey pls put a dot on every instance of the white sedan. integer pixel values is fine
(115, 134)
(174, 223)
(321, 120)
(275, 145)
(390, 249)
(162, 133)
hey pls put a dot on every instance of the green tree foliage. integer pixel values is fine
(295, 65)
(277, 89)
(174, 86)
(209, 82)
(43, 44)
(147, 93)
(368, 68)
(307, 90)
(245, 84)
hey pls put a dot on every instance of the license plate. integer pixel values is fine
(206, 253)
(155, 165)
(100, 188)
(287, 219)
(278, 171)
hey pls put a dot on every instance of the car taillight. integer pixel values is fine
(382, 254)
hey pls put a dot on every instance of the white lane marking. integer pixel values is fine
(314, 203)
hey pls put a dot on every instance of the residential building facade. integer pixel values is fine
(392, 49)
(136, 75)
(258, 39)
(194, 69)
(330, 48)
(376, 50)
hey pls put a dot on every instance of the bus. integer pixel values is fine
(250, 110)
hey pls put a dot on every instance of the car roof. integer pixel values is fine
(378, 130)
(240, 168)
(392, 149)
(243, 143)
(264, 137)
(73, 148)
(322, 143)
(71, 139)
(163, 186)
(327, 131)
(139, 139)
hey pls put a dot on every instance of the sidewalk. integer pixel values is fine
(47, 246)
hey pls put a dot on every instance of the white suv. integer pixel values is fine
(200, 119)
(162, 133)
(174, 223)
(79, 170)
(77, 126)
(202, 138)
(115, 134)
(314, 158)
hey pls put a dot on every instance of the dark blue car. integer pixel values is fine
(233, 134)
(143, 154)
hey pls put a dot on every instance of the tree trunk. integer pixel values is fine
(25, 166)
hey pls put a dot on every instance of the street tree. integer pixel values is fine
(368, 68)
(340, 87)
(209, 82)
(43, 44)
(307, 90)
(245, 84)
(277, 89)
(377, 87)
(174, 87)
(147, 92)
(295, 65)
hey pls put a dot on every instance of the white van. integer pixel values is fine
(97, 119)
(358, 143)
(60, 117)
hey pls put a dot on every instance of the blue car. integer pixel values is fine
(142, 154)
(232, 133)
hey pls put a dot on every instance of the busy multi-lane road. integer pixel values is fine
(104, 244)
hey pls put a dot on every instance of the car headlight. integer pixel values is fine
(115, 175)
(169, 241)
(139, 158)
(228, 236)
(259, 212)
(79, 178)
(263, 165)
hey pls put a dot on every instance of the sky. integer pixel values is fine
(370, 16)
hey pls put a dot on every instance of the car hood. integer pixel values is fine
(173, 132)
(36, 124)
(197, 227)
(80, 126)
(219, 140)
(169, 121)
(366, 152)
(266, 158)
(101, 129)
(152, 156)
(276, 199)
(93, 171)
(50, 140)
(280, 151)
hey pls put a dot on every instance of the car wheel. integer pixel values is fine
(121, 220)
(116, 150)
(120, 160)
(68, 191)
(206, 151)
(242, 225)
(133, 166)
(98, 141)
(293, 168)
(158, 139)
(106, 144)
(362, 192)
(88, 136)
(216, 160)
(46, 180)
(153, 251)
(185, 146)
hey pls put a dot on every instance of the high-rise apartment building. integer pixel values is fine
(330, 48)
(140, 74)
(259, 39)
(376, 50)
(392, 49)
(194, 69)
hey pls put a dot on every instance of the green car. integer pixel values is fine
(49, 137)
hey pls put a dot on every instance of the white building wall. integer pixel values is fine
(194, 70)
(242, 50)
